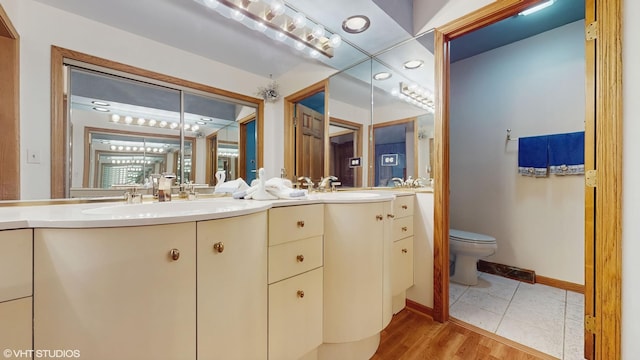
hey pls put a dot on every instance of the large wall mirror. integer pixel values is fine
(121, 128)
(386, 105)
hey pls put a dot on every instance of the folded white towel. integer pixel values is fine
(232, 186)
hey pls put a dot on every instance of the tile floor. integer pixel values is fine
(539, 316)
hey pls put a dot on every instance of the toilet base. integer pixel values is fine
(466, 271)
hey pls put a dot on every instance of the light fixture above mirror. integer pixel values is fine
(277, 20)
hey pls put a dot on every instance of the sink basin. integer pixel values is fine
(350, 196)
(164, 209)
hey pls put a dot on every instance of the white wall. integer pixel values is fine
(630, 181)
(534, 87)
(41, 26)
(422, 290)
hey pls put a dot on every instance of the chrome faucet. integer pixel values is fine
(325, 182)
(398, 182)
(307, 182)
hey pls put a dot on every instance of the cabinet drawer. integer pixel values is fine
(402, 227)
(403, 206)
(15, 324)
(293, 258)
(402, 265)
(295, 316)
(16, 265)
(295, 222)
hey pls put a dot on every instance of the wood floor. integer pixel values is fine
(412, 335)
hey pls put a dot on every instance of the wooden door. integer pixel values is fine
(309, 143)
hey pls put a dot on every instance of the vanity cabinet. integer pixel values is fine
(402, 250)
(232, 288)
(355, 243)
(16, 289)
(125, 293)
(295, 280)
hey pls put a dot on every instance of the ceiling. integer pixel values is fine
(517, 28)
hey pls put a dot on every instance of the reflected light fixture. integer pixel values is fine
(537, 8)
(413, 64)
(277, 20)
(100, 103)
(356, 24)
(415, 95)
(100, 109)
(382, 76)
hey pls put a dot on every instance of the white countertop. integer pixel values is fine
(118, 214)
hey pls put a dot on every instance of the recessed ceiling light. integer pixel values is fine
(356, 24)
(200, 122)
(100, 103)
(413, 64)
(101, 109)
(382, 75)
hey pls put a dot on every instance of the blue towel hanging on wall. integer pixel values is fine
(533, 157)
(566, 153)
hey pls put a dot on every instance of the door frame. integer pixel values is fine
(358, 128)
(10, 109)
(603, 208)
(290, 129)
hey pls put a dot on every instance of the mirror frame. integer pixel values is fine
(59, 152)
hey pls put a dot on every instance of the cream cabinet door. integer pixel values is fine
(295, 316)
(15, 326)
(402, 265)
(232, 288)
(353, 271)
(116, 293)
(16, 264)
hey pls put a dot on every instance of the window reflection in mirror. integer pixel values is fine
(123, 130)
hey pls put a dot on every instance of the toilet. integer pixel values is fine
(465, 249)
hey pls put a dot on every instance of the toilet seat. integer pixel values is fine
(469, 237)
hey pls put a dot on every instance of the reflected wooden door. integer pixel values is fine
(309, 143)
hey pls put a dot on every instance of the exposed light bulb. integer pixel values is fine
(277, 7)
(128, 148)
(211, 3)
(187, 126)
(335, 40)
(135, 148)
(237, 15)
(162, 123)
(141, 121)
(128, 120)
(195, 128)
(148, 149)
(120, 148)
(152, 122)
(160, 150)
(259, 26)
(115, 118)
(112, 147)
(173, 125)
(318, 31)
(299, 20)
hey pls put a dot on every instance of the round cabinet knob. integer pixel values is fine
(390, 216)
(404, 228)
(174, 254)
(300, 294)
(405, 207)
(300, 223)
(300, 258)
(218, 247)
(404, 251)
